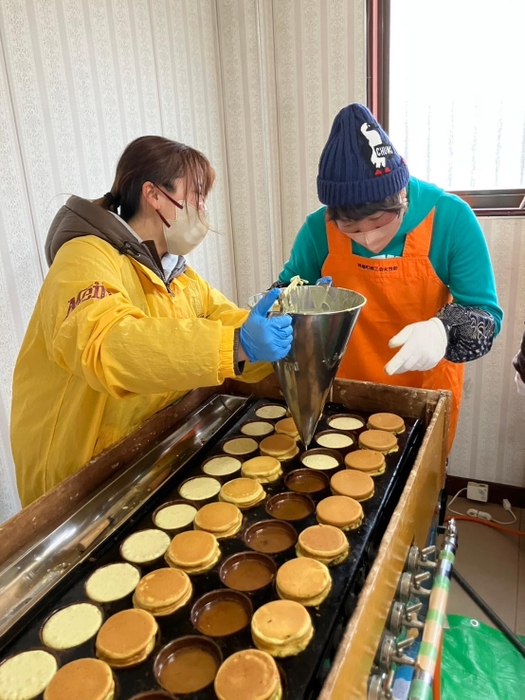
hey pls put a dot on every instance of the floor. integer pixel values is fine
(493, 563)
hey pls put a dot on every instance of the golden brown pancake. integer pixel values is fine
(271, 411)
(240, 446)
(281, 446)
(352, 483)
(334, 441)
(71, 626)
(304, 580)
(250, 674)
(340, 511)
(112, 582)
(222, 466)
(163, 591)
(83, 679)
(263, 469)
(194, 552)
(282, 628)
(200, 488)
(175, 516)
(345, 423)
(326, 543)
(368, 461)
(379, 441)
(243, 493)
(26, 675)
(287, 426)
(257, 428)
(390, 422)
(145, 546)
(127, 638)
(221, 519)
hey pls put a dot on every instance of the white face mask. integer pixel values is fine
(184, 233)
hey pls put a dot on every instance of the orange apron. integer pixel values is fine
(399, 291)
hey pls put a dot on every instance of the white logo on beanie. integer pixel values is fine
(379, 151)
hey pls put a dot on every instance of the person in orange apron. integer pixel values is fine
(414, 251)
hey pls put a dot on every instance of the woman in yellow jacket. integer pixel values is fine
(122, 326)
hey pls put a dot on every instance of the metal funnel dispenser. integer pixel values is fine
(323, 319)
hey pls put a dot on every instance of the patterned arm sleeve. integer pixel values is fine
(470, 332)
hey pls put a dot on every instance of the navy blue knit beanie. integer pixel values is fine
(359, 163)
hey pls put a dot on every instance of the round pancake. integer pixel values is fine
(84, 679)
(26, 675)
(163, 591)
(326, 543)
(175, 516)
(222, 466)
(352, 483)
(345, 423)
(378, 440)
(240, 446)
(264, 469)
(112, 582)
(287, 426)
(304, 580)
(334, 441)
(282, 628)
(72, 626)
(221, 519)
(390, 422)
(145, 546)
(200, 488)
(340, 511)
(195, 551)
(248, 675)
(257, 428)
(126, 638)
(242, 492)
(319, 461)
(368, 461)
(271, 411)
(278, 446)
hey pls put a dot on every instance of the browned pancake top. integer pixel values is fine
(126, 633)
(84, 679)
(247, 675)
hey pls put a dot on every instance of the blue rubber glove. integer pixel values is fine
(324, 281)
(266, 339)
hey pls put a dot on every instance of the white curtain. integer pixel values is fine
(254, 84)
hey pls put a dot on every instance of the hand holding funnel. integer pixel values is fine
(323, 319)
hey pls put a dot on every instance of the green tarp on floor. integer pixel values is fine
(479, 663)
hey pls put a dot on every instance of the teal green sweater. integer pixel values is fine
(458, 253)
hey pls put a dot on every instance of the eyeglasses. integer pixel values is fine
(177, 204)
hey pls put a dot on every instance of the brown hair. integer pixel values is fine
(160, 161)
(394, 203)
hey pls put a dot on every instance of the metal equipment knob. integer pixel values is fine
(404, 616)
(419, 559)
(391, 652)
(380, 686)
(417, 588)
(410, 586)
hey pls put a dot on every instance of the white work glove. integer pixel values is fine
(520, 386)
(424, 345)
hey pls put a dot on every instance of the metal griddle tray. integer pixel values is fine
(304, 674)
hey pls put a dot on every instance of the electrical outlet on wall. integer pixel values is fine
(477, 491)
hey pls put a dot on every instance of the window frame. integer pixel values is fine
(494, 203)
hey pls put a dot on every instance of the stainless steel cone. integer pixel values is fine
(323, 320)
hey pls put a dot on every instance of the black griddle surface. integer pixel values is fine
(304, 674)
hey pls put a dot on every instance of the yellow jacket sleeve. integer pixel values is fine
(100, 325)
